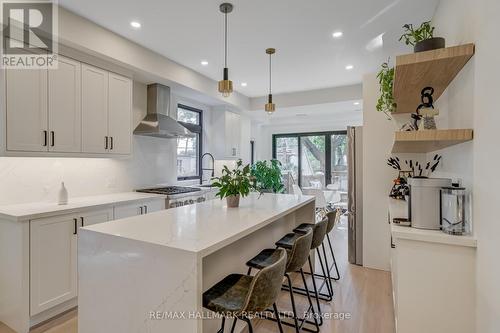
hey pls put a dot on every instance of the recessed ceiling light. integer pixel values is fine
(135, 24)
(349, 67)
(337, 34)
(204, 63)
(243, 84)
(356, 103)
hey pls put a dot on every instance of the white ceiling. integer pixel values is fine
(188, 31)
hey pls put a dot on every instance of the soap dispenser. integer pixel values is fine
(63, 195)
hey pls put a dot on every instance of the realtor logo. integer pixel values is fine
(28, 34)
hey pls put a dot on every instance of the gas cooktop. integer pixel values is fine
(170, 190)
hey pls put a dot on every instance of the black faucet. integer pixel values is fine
(204, 169)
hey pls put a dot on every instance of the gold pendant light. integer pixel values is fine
(225, 85)
(270, 106)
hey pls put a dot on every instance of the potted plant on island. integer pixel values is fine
(386, 103)
(422, 38)
(267, 176)
(234, 184)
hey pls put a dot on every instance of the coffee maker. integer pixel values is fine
(424, 208)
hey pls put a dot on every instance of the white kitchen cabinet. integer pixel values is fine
(95, 137)
(140, 208)
(53, 262)
(75, 109)
(95, 217)
(433, 280)
(120, 121)
(106, 112)
(64, 100)
(26, 95)
(227, 138)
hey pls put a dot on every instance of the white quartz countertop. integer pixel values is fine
(206, 227)
(431, 236)
(29, 211)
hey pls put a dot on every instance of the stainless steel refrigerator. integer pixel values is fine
(355, 194)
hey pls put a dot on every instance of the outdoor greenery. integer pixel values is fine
(412, 36)
(385, 77)
(267, 176)
(234, 182)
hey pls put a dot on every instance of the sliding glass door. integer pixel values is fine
(313, 159)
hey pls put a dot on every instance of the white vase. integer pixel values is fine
(62, 198)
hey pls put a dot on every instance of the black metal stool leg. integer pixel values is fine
(327, 269)
(221, 330)
(309, 300)
(325, 276)
(333, 256)
(234, 324)
(278, 319)
(293, 303)
(249, 322)
(315, 292)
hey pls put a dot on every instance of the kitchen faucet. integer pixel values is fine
(204, 169)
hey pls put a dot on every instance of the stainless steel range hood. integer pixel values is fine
(158, 122)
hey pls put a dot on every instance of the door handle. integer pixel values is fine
(75, 230)
(106, 142)
(45, 138)
(81, 221)
(111, 145)
(52, 138)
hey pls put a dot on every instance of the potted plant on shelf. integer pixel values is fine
(234, 184)
(386, 103)
(267, 176)
(422, 38)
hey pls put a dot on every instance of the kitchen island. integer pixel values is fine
(148, 273)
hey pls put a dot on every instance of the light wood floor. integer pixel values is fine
(365, 294)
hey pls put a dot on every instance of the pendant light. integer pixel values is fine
(225, 85)
(270, 106)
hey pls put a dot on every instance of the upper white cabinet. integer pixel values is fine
(65, 116)
(26, 95)
(227, 138)
(74, 109)
(119, 115)
(94, 109)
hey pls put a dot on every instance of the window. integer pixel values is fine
(313, 159)
(189, 150)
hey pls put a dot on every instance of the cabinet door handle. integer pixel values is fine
(81, 221)
(52, 138)
(75, 230)
(145, 209)
(106, 142)
(142, 209)
(45, 138)
(111, 146)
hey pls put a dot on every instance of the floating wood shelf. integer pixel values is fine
(436, 68)
(429, 140)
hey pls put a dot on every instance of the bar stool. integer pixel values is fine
(239, 295)
(296, 258)
(319, 233)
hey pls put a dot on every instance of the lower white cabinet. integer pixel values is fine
(53, 262)
(128, 210)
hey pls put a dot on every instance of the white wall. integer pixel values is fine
(378, 135)
(153, 162)
(462, 21)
